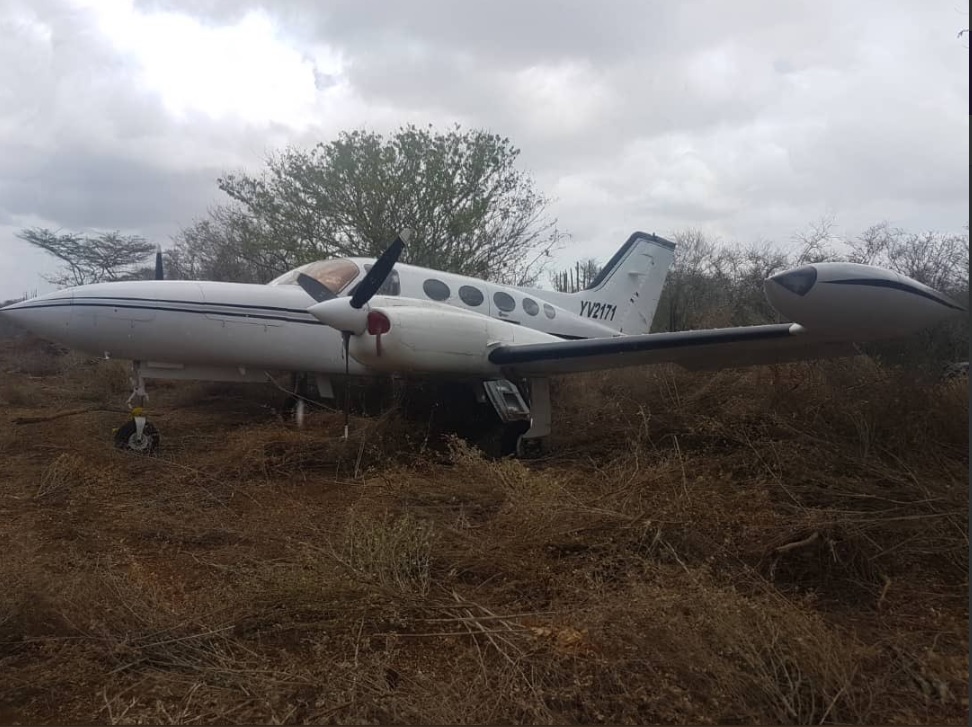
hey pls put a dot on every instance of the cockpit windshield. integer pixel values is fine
(335, 275)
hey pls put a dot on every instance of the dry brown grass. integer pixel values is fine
(779, 545)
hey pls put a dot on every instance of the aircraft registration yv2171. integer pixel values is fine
(368, 317)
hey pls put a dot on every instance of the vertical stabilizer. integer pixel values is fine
(625, 294)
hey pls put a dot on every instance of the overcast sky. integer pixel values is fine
(747, 119)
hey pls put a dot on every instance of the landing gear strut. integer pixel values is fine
(137, 434)
(306, 388)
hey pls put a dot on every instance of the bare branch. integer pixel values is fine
(107, 256)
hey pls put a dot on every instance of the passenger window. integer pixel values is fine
(530, 306)
(471, 296)
(549, 310)
(436, 289)
(504, 301)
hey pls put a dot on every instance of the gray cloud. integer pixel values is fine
(130, 193)
(747, 120)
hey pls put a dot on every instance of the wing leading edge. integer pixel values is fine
(707, 349)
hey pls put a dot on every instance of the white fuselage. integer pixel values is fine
(244, 327)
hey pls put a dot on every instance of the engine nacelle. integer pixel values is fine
(859, 301)
(435, 339)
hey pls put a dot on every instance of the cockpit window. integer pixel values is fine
(391, 286)
(335, 275)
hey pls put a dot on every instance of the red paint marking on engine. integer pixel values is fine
(378, 323)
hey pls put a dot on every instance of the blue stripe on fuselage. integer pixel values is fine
(209, 308)
(894, 285)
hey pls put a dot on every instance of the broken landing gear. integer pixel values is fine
(524, 425)
(137, 434)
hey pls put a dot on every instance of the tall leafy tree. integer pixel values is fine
(473, 211)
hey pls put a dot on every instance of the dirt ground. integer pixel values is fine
(784, 545)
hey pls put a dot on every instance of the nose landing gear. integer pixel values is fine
(137, 434)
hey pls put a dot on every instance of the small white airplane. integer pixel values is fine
(367, 317)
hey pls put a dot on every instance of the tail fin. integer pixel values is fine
(625, 294)
(632, 281)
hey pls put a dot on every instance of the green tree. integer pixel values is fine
(107, 256)
(471, 209)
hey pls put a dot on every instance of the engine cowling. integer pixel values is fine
(859, 301)
(435, 339)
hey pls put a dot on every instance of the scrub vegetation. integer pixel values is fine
(781, 545)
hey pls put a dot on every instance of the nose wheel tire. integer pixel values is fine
(127, 438)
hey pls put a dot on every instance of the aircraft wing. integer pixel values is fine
(709, 349)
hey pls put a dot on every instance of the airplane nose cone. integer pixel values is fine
(798, 281)
(47, 316)
(13, 313)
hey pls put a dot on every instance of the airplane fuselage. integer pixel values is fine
(238, 330)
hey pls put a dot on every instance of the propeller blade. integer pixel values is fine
(159, 273)
(314, 288)
(379, 271)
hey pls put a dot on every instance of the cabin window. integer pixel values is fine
(504, 301)
(549, 310)
(530, 306)
(471, 296)
(436, 289)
